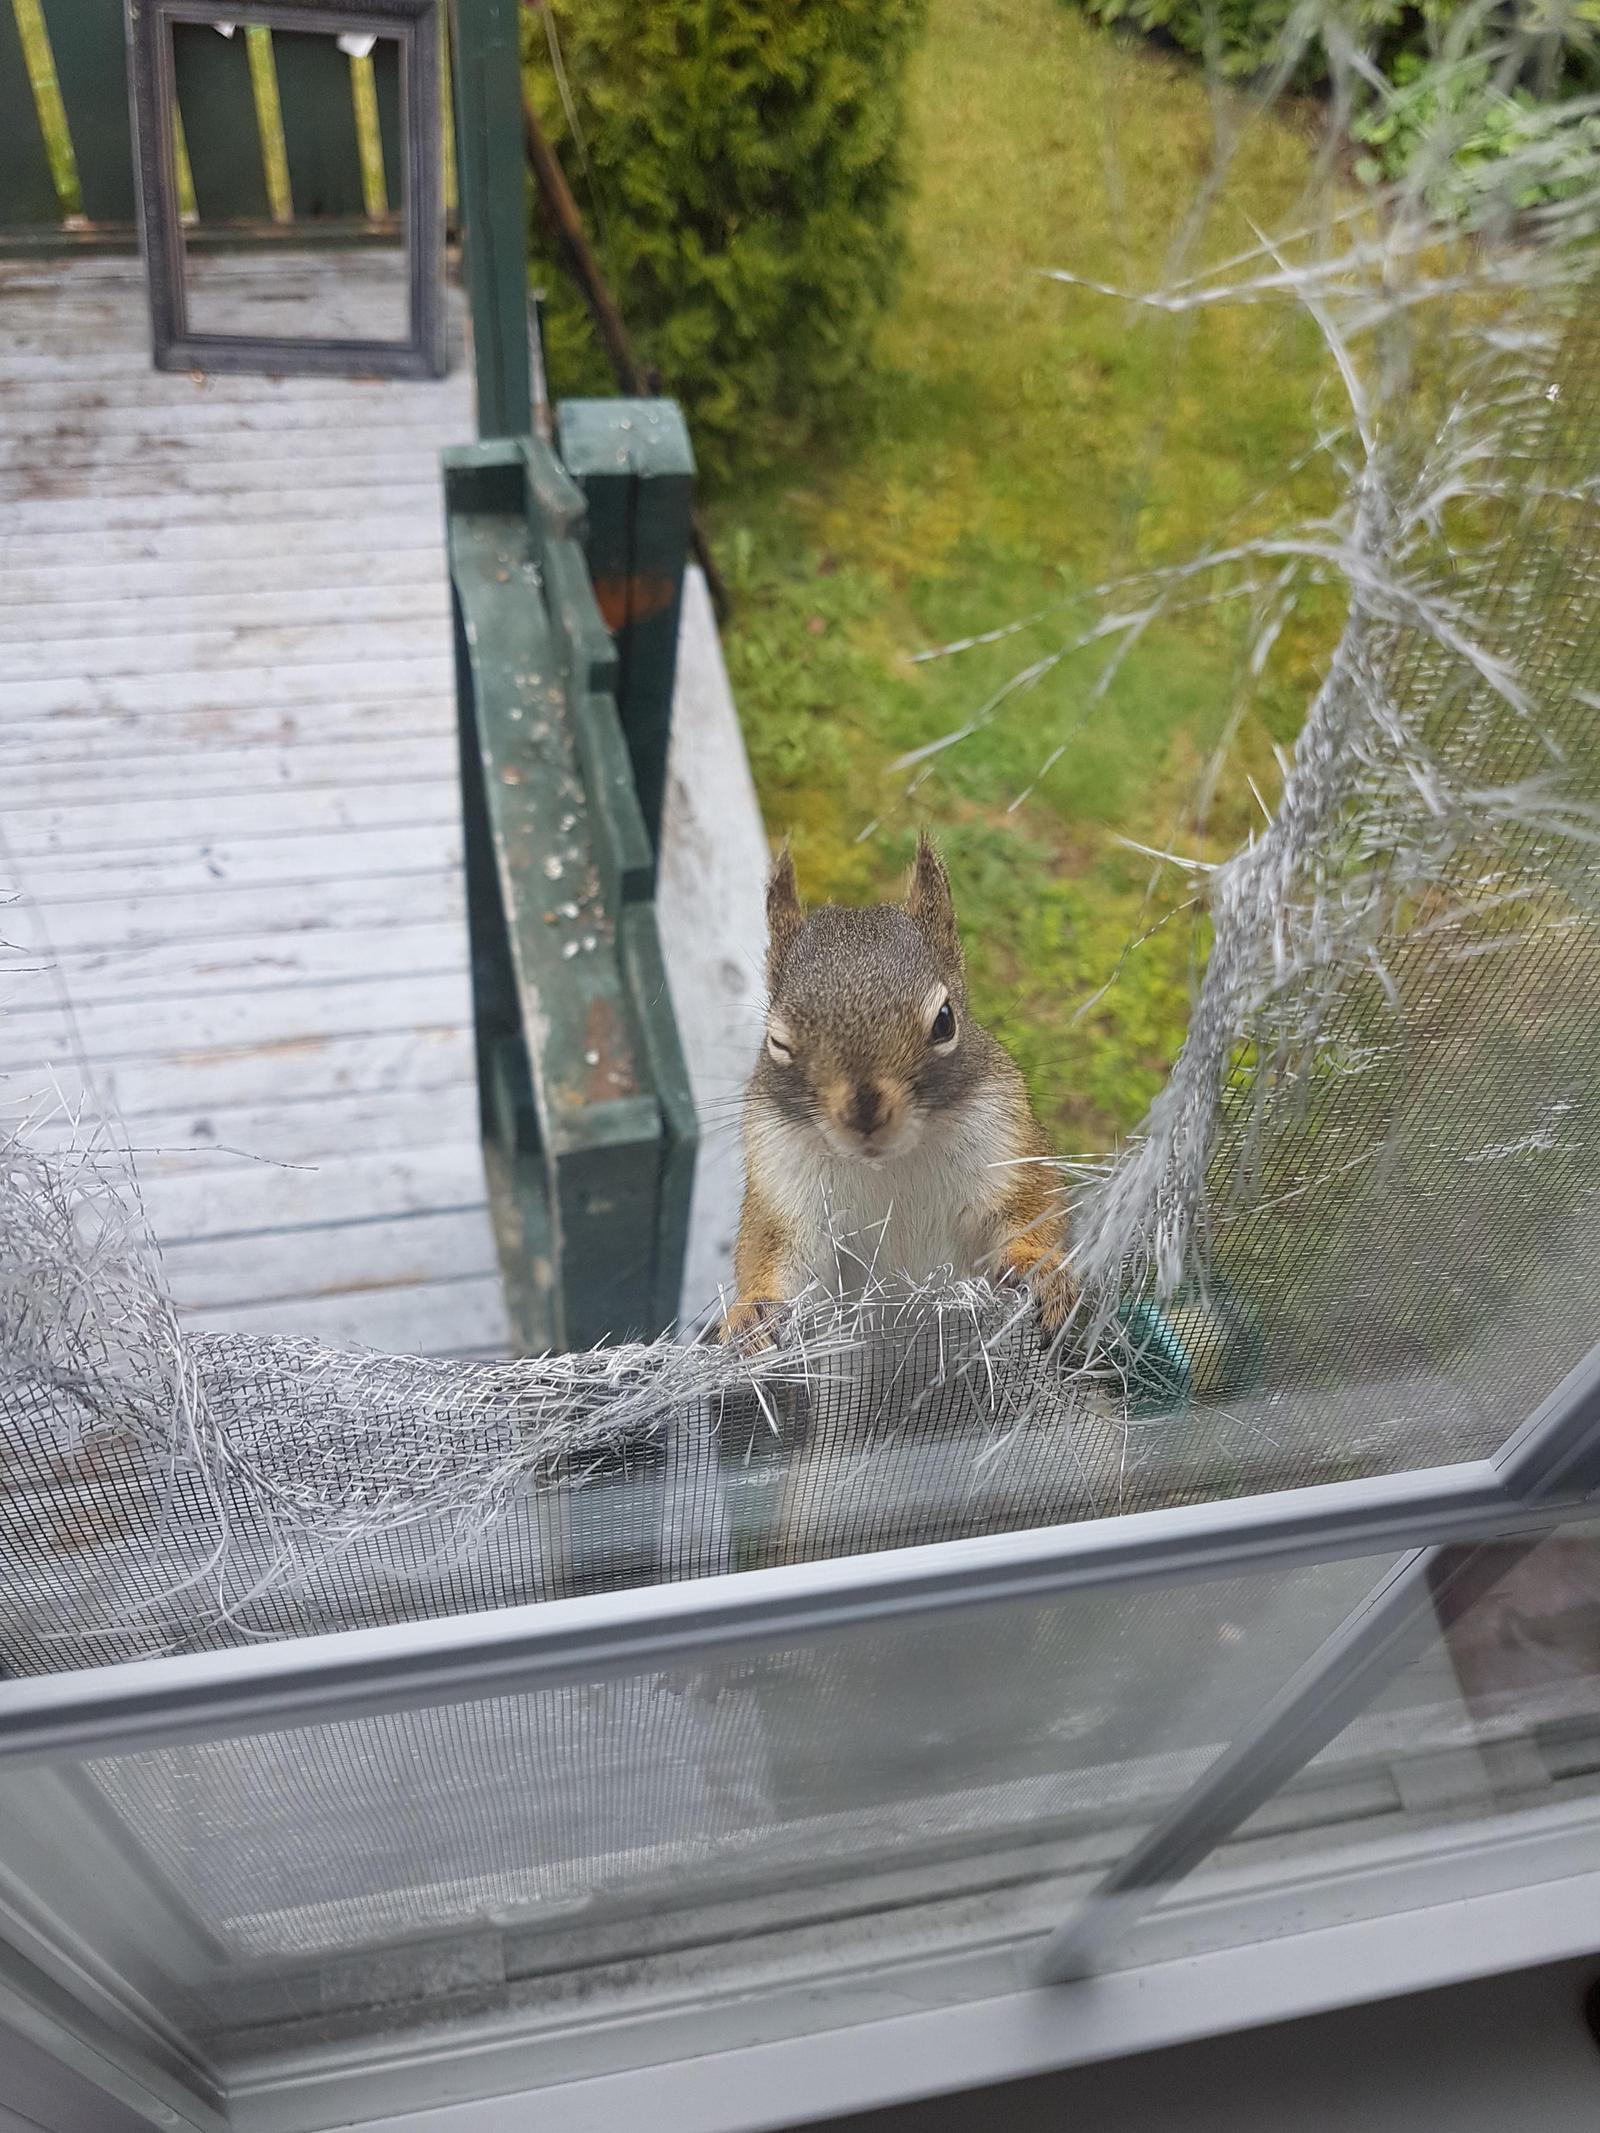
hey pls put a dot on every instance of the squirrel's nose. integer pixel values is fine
(867, 1109)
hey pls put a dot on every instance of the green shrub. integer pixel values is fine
(1484, 126)
(1248, 37)
(1436, 59)
(740, 170)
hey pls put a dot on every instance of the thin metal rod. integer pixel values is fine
(1555, 1455)
(358, 1673)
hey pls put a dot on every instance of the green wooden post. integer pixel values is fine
(218, 105)
(494, 212)
(92, 68)
(319, 125)
(633, 462)
(588, 1119)
(386, 82)
(27, 189)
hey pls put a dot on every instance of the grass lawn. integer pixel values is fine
(1023, 441)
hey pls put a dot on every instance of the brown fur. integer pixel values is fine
(867, 1079)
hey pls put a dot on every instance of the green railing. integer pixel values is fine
(281, 132)
(588, 1119)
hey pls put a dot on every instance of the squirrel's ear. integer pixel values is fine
(785, 912)
(930, 904)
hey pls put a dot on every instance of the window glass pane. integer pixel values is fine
(1476, 1769)
(942, 1787)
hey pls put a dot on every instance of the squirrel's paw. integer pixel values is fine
(1050, 1286)
(750, 1324)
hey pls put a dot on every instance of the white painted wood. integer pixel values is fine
(710, 905)
(228, 785)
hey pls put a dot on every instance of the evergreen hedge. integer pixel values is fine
(740, 168)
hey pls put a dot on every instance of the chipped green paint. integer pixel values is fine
(585, 1100)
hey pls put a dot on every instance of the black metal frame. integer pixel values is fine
(152, 92)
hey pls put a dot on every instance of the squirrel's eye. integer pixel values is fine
(778, 1050)
(944, 1026)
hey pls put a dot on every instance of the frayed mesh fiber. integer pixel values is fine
(1357, 1231)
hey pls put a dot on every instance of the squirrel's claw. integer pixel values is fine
(750, 1323)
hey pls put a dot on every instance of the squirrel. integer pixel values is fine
(887, 1135)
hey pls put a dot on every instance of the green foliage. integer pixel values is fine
(1480, 127)
(1445, 73)
(1019, 443)
(1245, 37)
(740, 170)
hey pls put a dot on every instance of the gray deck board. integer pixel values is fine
(228, 793)
(229, 799)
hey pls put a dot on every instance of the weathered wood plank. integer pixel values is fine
(212, 652)
(152, 579)
(252, 1197)
(115, 926)
(224, 686)
(251, 862)
(289, 1069)
(221, 773)
(146, 736)
(163, 512)
(175, 967)
(438, 1318)
(78, 503)
(114, 1030)
(118, 828)
(109, 414)
(222, 453)
(180, 691)
(354, 1259)
(247, 1133)
(215, 540)
(164, 487)
(93, 624)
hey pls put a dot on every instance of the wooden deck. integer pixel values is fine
(230, 803)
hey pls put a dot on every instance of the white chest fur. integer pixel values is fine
(932, 1211)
